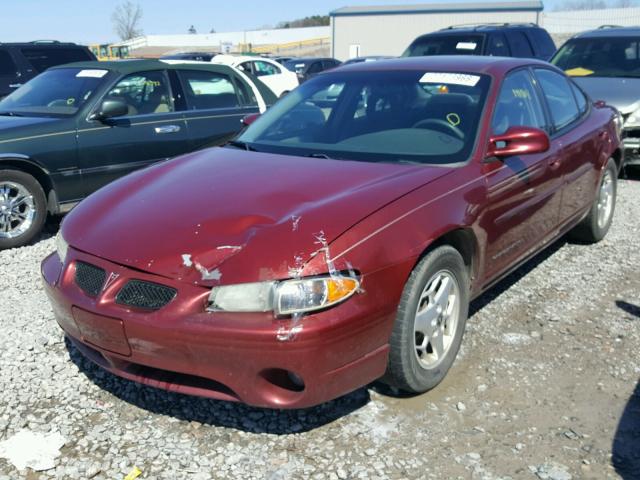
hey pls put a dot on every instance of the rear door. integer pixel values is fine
(497, 45)
(579, 141)
(153, 130)
(524, 191)
(215, 105)
(10, 75)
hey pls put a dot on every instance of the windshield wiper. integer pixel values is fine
(11, 114)
(320, 155)
(241, 145)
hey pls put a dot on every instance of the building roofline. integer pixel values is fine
(466, 7)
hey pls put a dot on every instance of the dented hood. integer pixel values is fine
(230, 216)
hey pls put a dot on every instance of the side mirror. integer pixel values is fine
(249, 119)
(110, 109)
(518, 141)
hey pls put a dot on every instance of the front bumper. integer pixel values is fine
(236, 357)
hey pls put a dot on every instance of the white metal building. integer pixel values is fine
(388, 30)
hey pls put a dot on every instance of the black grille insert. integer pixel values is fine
(90, 278)
(147, 295)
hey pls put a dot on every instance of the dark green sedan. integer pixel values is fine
(77, 127)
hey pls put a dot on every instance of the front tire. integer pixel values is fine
(430, 322)
(596, 224)
(23, 208)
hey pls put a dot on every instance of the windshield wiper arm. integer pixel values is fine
(319, 155)
(241, 145)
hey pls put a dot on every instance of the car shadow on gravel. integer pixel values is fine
(626, 443)
(216, 412)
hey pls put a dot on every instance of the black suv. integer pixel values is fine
(20, 62)
(526, 40)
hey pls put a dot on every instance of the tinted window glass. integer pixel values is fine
(445, 45)
(580, 98)
(7, 66)
(206, 90)
(245, 67)
(245, 92)
(498, 46)
(262, 69)
(517, 105)
(559, 97)
(520, 46)
(387, 116)
(316, 67)
(43, 58)
(144, 93)
(541, 42)
(57, 92)
(295, 65)
(599, 57)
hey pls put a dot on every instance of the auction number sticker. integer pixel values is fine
(92, 73)
(451, 78)
(466, 46)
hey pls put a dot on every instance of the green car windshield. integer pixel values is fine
(60, 92)
(600, 57)
(383, 116)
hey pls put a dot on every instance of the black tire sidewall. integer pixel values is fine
(404, 370)
(40, 205)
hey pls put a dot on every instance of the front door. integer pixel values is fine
(152, 131)
(523, 191)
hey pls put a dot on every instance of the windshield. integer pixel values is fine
(445, 45)
(388, 116)
(60, 92)
(599, 57)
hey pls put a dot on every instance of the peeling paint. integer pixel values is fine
(287, 334)
(235, 248)
(214, 274)
(295, 221)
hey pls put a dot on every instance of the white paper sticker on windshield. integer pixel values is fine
(466, 46)
(451, 78)
(92, 73)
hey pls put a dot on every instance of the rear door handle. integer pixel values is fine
(168, 129)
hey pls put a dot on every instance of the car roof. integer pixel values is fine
(41, 43)
(482, 27)
(132, 66)
(610, 31)
(495, 66)
(309, 59)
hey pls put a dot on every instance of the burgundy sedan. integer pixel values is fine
(340, 238)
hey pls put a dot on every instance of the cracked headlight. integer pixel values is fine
(62, 247)
(284, 298)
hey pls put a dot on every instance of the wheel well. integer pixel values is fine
(464, 241)
(36, 172)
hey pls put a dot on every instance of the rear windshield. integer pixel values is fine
(295, 65)
(43, 58)
(445, 45)
(382, 116)
(599, 57)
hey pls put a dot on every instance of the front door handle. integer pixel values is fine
(168, 129)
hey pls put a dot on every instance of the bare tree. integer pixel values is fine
(126, 20)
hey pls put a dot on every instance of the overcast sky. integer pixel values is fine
(89, 21)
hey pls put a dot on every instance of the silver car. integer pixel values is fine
(605, 63)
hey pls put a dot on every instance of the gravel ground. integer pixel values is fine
(544, 388)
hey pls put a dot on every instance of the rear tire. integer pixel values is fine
(430, 322)
(596, 224)
(23, 208)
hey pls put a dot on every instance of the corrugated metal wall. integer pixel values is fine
(392, 34)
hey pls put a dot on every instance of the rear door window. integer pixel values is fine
(206, 90)
(559, 96)
(43, 58)
(518, 104)
(520, 46)
(580, 98)
(498, 46)
(541, 42)
(316, 67)
(263, 69)
(7, 65)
